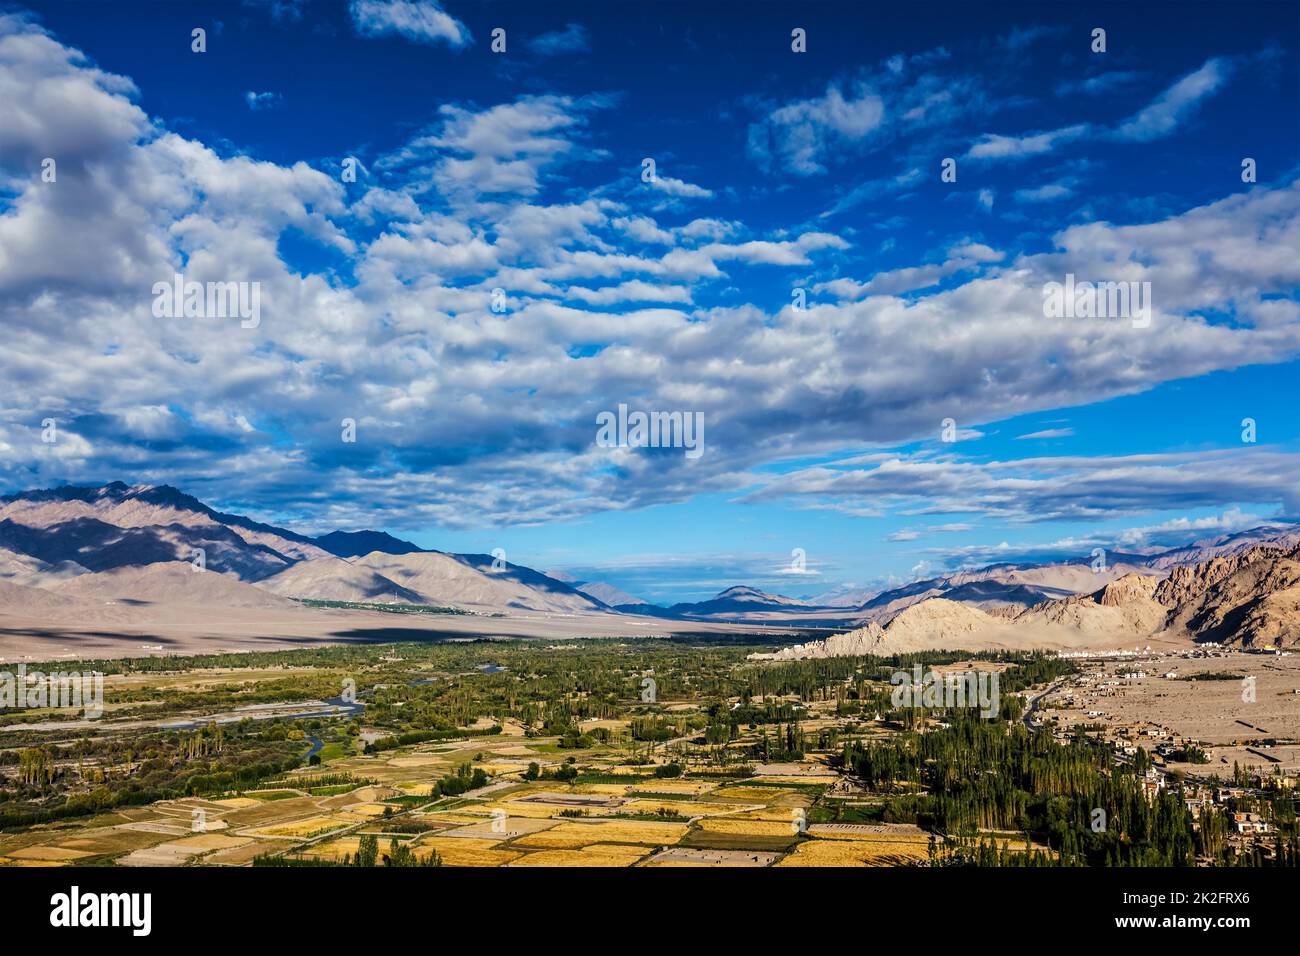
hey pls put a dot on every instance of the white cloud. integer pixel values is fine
(1062, 488)
(679, 189)
(1047, 433)
(470, 416)
(503, 149)
(798, 136)
(961, 258)
(1049, 192)
(994, 146)
(1158, 119)
(632, 291)
(1175, 104)
(421, 21)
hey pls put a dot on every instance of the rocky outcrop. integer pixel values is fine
(1251, 598)
(1125, 606)
(857, 643)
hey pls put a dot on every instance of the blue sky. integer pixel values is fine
(775, 171)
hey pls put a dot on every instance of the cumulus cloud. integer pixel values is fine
(680, 189)
(504, 149)
(472, 414)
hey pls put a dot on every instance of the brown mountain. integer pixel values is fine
(170, 583)
(51, 535)
(334, 579)
(1251, 598)
(1126, 606)
(120, 525)
(454, 580)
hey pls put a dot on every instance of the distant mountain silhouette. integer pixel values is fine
(353, 544)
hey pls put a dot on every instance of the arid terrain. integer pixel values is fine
(122, 570)
(1205, 698)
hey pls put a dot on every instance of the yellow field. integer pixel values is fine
(209, 841)
(687, 808)
(676, 786)
(334, 849)
(415, 789)
(464, 851)
(598, 854)
(749, 794)
(464, 815)
(48, 854)
(779, 814)
(498, 767)
(305, 828)
(538, 811)
(568, 836)
(854, 853)
(749, 827)
(8, 861)
(922, 838)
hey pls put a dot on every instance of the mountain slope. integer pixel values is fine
(605, 593)
(553, 591)
(120, 525)
(856, 643)
(1283, 537)
(171, 583)
(18, 597)
(1124, 606)
(333, 579)
(24, 569)
(455, 580)
(1005, 585)
(51, 534)
(737, 600)
(1251, 597)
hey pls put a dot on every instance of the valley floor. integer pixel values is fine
(582, 776)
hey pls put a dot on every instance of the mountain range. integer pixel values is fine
(51, 536)
(1247, 595)
(120, 548)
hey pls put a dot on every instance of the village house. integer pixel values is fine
(1249, 823)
